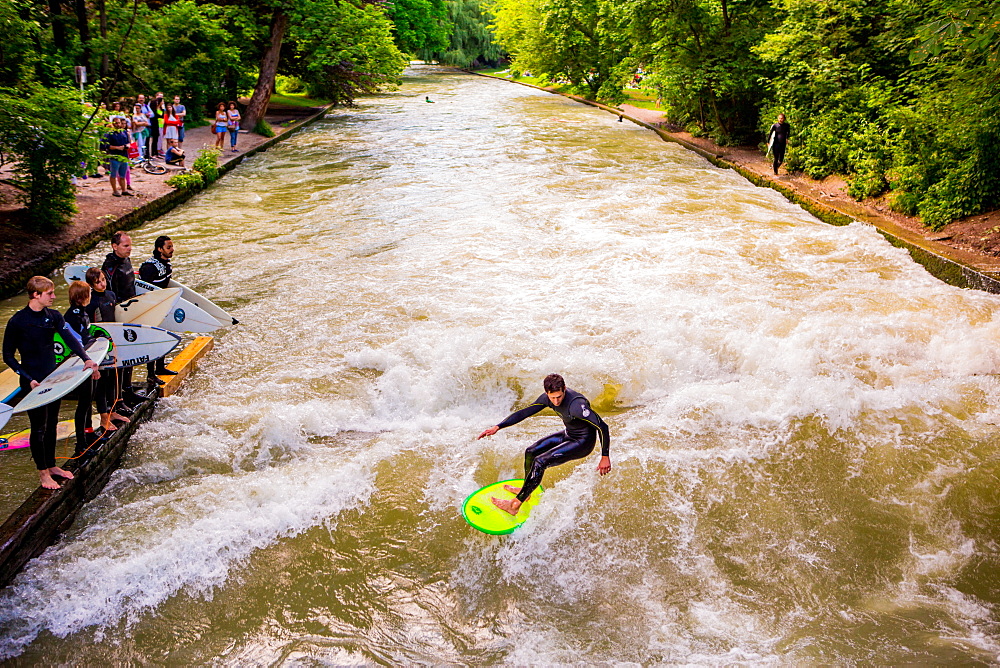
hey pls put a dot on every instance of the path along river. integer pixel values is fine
(804, 421)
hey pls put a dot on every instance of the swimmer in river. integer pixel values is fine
(576, 442)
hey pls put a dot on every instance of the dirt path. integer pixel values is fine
(973, 241)
(97, 209)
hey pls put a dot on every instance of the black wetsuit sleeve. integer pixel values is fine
(9, 348)
(527, 412)
(147, 272)
(581, 410)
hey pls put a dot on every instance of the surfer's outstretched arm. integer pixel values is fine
(514, 418)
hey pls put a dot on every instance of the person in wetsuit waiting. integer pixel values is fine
(30, 333)
(120, 278)
(583, 426)
(157, 271)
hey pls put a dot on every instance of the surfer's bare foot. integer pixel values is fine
(120, 418)
(512, 489)
(507, 505)
(62, 473)
(46, 481)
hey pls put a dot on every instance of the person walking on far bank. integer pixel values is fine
(221, 121)
(233, 124)
(777, 140)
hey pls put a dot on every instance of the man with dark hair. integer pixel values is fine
(157, 271)
(120, 276)
(582, 428)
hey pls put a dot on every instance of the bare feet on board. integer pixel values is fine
(507, 505)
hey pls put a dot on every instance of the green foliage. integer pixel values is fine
(18, 53)
(346, 50)
(421, 26)
(207, 164)
(45, 131)
(700, 58)
(582, 42)
(192, 180)
(263, 128)
(471, 43)
(288, 85)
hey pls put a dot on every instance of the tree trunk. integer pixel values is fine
(268, 71)
(83, 25)
(58, 25)
(102, 8)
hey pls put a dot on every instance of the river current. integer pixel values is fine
(804, 422)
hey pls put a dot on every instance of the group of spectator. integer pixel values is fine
(154, 129)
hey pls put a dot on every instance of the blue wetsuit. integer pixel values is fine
(576, 442)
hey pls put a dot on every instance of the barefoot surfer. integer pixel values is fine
(31, 333)
(576, 442)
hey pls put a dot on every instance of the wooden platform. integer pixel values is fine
(184, 364)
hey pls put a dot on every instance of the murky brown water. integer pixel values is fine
(803, 421)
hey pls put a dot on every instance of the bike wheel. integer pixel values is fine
(150, 168)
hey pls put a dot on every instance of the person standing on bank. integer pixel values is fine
(582, 428)
(30, 333)
(120, 279)
(116, 143)
(780, 131)
(157, 271)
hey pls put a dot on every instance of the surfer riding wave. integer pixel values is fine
(583, 426)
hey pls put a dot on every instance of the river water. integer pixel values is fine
(804, 422)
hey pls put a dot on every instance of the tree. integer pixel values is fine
(584, 42)
(44, 130)
(343, 50)
(699, 59)
(471, 42)
(422, 26)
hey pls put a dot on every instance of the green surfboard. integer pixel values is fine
(481, 514)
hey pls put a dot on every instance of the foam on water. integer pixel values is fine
(793, 411)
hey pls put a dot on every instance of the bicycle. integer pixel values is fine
(148, 165)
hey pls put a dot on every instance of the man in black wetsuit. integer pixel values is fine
(583, 426)
(120, 277)
(31, 333)
(157, 271)
(781, 131)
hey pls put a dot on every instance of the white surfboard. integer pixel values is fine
(185, 316)
(133, 344)
(66, 378)
(148, 309)
(10, 385)
(76, 272)
(5, 413)
(204, 303)
(191, 301)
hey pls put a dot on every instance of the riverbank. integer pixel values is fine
(965, 253)
(25, 253)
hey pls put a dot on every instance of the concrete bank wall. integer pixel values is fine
(14, 283)
(947, 269)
